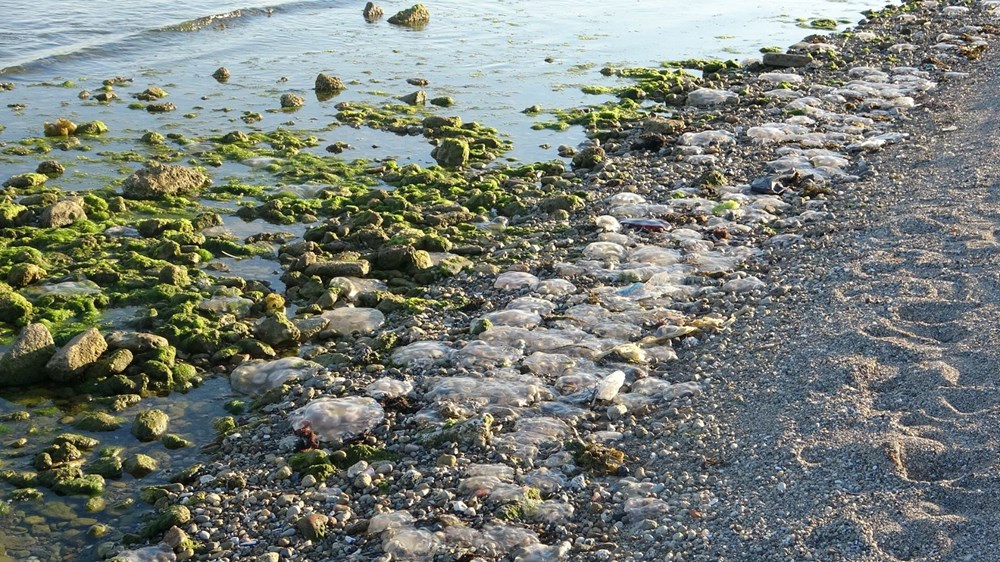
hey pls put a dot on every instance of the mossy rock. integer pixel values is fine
(14, 308)
(87, 485)
(92, 128)
(173, 516)
(21, 181)
(174, 441)
(140, 465)
(108, 467)
(150, 425)
(79, 441)
(98, 422)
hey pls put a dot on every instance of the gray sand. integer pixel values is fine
(864, 403)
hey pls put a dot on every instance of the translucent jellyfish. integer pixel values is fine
(481, 354)
(388, 388)
(556, 287)
(257, 377)
(532, 304)
(604, 251)
(337, 419)
(514, 280)
(350, 320)
(422, 354)
(608, 388)
(707, 97)
(514, 317)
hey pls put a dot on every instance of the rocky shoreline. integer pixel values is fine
(534, 387)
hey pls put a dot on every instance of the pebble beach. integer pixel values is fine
(583, 392)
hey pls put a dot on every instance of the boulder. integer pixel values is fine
(78, 354)
(24, 274)
(63, 213)
(136, 342)
(291, 101)
(451, 153)
(415, 16)
(373, 11)
(156, 181)
(328, 84)
(150, 425)
(24, 364)
(50, 168)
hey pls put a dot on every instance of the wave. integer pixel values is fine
(97, 45)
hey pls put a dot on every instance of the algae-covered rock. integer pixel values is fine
(92, 128)
(98, 422)
(86, 485)
(175, 515)
(151, 93)
(326, 84)
(136, 342)
(402, 258)
(150, 425)
(451, 153)
(24, 364)
(313, 526)
(50, 168)
(111, 364)
(108, 466)
(63, 213)
(221, 74)
(140, 465)
(589, 157)
(443, 101)
(291, 101)
(174, 441)
(78, 354)
(24, 274)
(31, 179)
(175, 275)
(415, 16)
(277, 330)
(156, 181)
(14, 308)
(13, 214)
(373, 11)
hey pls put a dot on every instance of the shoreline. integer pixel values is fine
(525, 463)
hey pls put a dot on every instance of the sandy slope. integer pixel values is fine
(866, 405)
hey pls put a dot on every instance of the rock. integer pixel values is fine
(156, 181)
(328, 84)
(98, 422)
(443, 101)
(92, 128)
(164, 107)
(451, 153)
(402, 258)
(313, 526)
(63, 213)
(24, 274)
(415, 16)
(140, 465)
(221, 74)
(111, 364)
(277, 330)
(416, 98)
(24, 364)
(107, 466)
(662, 125)
(786, 60)
(61, 127)
(588, 157)
(78, 354)
(50, 168)
(175, 538)
(174, 275)
(31, 179)
(438, 121)
(373, 11)
(175, 515)
(150, 425)
(136, 342)
(290, 101)
(331, 269)
(87, 485)
(173, 441)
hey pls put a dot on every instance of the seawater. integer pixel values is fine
(495, 58)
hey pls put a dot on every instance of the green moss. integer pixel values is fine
(224, 425)
(595, 457)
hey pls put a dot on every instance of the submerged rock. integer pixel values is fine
(78, 354)
(25, 363)
(150, 425)
(156, 181)
(415, 16)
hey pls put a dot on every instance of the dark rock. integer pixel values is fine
(588, 157)
(291, 101)
(277, 330)
(373, 11)
(402, 258)
(416, 98)
(786, 60)
(50, 168)
(221, 74)
(24, 274)
(415, 16)
(150, 425)
(329, 84)
(330, 269)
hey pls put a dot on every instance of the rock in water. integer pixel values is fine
(289, 101)
(150, 425)
(373, 11)
(156, 181)
(24, 364)
(452, 153)
(328, 84)
(412, 17)
(222, 74)
(78, 354)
